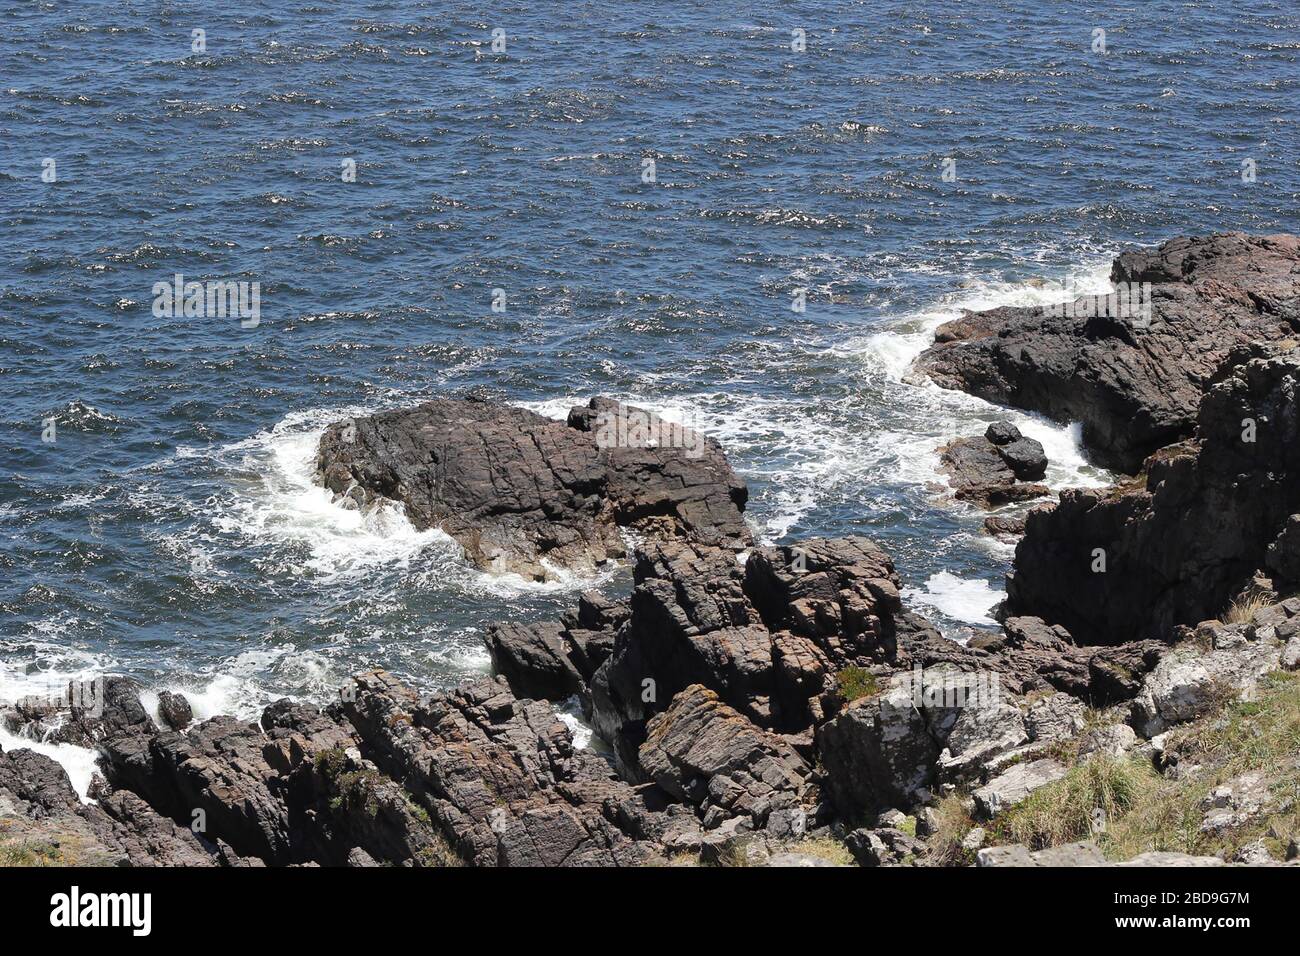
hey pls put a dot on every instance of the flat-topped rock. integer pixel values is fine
(531, 495)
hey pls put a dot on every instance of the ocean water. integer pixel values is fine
(173, 530)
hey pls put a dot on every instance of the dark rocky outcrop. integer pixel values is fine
(502, 781)
(43, 821)
(1175, 546)
(701, 751)
(527, 494)
(554, 661)
(995, 468)
(1134, 378)
(768, 637)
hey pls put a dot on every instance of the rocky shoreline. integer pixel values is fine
(781, 705)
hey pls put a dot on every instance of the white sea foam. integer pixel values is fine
(799, 451)
(570, 714)
(802, 448)
(933, 415)
(961, 599)
(276, 500)
(81, 763)
(42, 664)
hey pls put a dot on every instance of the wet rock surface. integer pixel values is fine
(996, 468)
(1135, 377)
(530, 495)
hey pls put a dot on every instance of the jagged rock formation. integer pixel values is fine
(526, 494)
(43, 821)
(756, 709)
(1134, 379)
(1174, 547)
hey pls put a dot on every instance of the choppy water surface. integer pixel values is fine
(174, 531)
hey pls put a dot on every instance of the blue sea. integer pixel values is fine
(647, 192)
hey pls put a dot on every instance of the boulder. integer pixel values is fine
(1112, 740)
(1015, 784)
(537, 660)
(886, 846)
(1004, 526)
(1235, 803)
(691, 623)
(879, 752)
(1131, 370)
(1066, 855)
(991, 475)
(526, 494)
(1192, 680)
(174, 710)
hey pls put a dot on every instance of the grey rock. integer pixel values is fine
(1187, 537)
(988, 474)
(1055, 717)
(701, 751)
(1190, 681)
(174, 710)
(885, 846)
(1015, 784)
(1067, 855)
(879, 752)
(1236, 803)
(1025, 458)
(1133, 379)
(1003, 433)
(1163, 858)
(1254, 854)
(1112, 740)
(789, 859)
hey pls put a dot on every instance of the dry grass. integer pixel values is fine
(1244, 608)
(953, 823)
(824, 848)
(1143, 811)
(1261, 735)
(1092, 794)
(24, 853)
